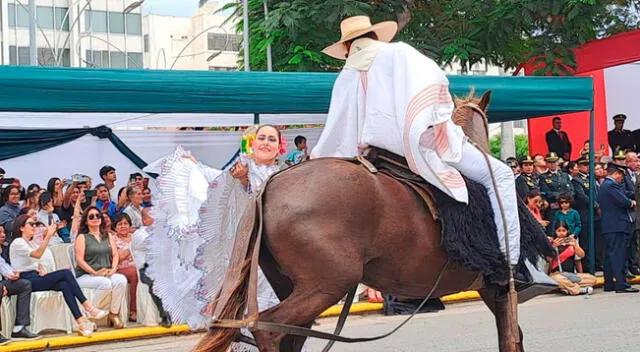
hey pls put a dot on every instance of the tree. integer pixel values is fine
(500, 32)
(522, 146)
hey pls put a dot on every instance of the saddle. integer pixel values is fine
(379, 160)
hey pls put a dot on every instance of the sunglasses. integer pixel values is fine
(564, 202)
(94, 216)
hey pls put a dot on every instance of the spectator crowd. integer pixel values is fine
(96, 226)
(556, 191)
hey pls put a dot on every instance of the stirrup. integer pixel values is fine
(537, 283)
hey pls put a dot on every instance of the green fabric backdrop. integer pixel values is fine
(41, 89)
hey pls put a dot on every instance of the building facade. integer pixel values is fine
(201, 42)
(74, 33)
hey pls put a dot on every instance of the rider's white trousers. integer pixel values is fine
(474, 166)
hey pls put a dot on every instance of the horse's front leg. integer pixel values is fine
(500, 309)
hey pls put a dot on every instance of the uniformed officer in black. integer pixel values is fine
(619, 138)
(554, 182)
(628, 185)
(617, 228)
(581, 187)
(527, 181)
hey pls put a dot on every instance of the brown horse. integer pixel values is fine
(328, 225)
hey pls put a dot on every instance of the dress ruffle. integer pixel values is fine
(196, 215)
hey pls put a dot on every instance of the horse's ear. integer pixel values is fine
(485, 99)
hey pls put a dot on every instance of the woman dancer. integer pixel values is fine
(197, 211)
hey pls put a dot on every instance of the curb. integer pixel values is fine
(156, 331)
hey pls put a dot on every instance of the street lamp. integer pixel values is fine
(133, 6)
(164, 56)
(206, 30)
(33, 23)
(75, 22)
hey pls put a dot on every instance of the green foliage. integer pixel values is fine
(500, 32)
(522, 146)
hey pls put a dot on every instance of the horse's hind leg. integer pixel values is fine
(299, 309)
(499, 308)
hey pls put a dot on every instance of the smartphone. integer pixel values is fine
(68, 181)
(7, 181)
(145, 182)
(78, 178)
(567, 240)
(132, 178)
(89, 194)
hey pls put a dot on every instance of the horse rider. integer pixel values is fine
(619, 138)
(527, 181)
(554, 182)
(392, 97)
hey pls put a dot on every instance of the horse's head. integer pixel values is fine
(471, 115)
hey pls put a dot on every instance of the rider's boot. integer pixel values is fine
(532, 283)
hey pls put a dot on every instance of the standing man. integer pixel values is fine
(633, 258)
(109, 177)
(616, 228)
(540, 166)
(580, 185)
(620, 158)
(527, 181)
(558, 141)
(553, 183)
(619, 138)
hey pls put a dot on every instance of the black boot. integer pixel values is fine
(531, 282)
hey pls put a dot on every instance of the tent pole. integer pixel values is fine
(256, 119)
(592, 193)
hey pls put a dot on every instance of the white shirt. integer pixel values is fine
(21, 259)
(135, 215)
(113, 194)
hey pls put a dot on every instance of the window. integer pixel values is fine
(96, 21)
(118, 60)
(45, 17)
(47, 58)
(234, 43)
(19, 56)
(60, 15)
(217, 41)
(135, 61)
(19, 19)
(97, 58)
(146, 43)
(116, 22)
(134, 23)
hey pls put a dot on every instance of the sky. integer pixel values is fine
(173, 7)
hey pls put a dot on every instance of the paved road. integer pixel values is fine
(601, 323)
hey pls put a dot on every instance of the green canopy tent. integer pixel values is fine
(36, 89)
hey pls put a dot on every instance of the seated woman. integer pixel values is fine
(97, 262)
(26, 259)
(533, 202)
(562, 268)
(126, 266)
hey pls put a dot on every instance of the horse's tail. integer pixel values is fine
(233, 299)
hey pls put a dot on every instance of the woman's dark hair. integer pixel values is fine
(45, 198)
(19, 223)
(51, 185)
(7, 191)
(119, 217)
(120, 192)
(533, 194)
(566, 196)
(31, 194)
(32, 187)
(84, 227)
(24, 211)
(560, 224)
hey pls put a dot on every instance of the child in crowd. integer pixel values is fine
(572, 218)
(300, 154)
(562, 268)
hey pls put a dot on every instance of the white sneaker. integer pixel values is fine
(586, 290)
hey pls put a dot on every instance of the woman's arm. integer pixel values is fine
(115, 259)
(77, 217)
(79, 247)
(45, 242)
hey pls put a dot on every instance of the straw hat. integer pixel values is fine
(356, 26)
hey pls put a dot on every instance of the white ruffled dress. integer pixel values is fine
(196, 212)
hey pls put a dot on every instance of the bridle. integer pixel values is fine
(475, 108)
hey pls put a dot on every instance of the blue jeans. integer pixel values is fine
(61, 281)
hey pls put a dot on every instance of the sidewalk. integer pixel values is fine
(67, 341)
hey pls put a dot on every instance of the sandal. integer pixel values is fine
(96, 314)
(85, 329)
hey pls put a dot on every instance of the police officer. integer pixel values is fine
(616, 228)
(554, 181)
(620, 158)
(527, 181)
(581, 187)
(619, 138)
